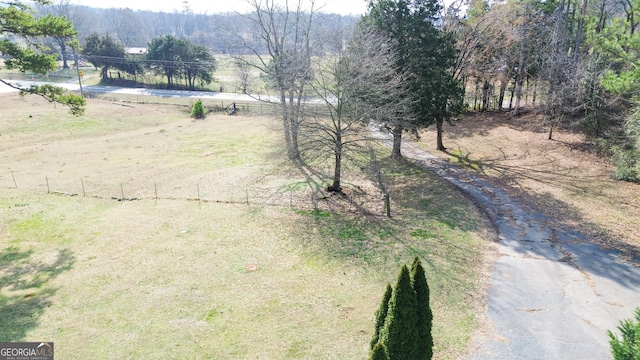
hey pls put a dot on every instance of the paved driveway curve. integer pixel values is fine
(552, 295)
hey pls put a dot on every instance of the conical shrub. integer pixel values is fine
(400, 331)
(424, 314)
(381, 315)
(198, 111)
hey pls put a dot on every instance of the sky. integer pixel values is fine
(343, 7)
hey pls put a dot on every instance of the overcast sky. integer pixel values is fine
(343, 7)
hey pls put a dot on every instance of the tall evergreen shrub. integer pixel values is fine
(404, 318)
(627, 348)
(400, 331)
(424, 314)
(381, 315)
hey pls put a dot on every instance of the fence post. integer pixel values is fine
(387, 205)
(199, 203)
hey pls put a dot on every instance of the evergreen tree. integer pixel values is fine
(425, 56)
(424, 314)
(381, 315)
(20, 31)
(379, 352)
(400, 332)
(627, 348)
(198, 110)
(103, 52)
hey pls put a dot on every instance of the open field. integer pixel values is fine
(135, 232)
(561, 177)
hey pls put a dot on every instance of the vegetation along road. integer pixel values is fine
(552, 295)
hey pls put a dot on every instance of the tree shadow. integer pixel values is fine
(428, 215)
(541, 225)
(481, 124)
(25, 292)
(513, 175)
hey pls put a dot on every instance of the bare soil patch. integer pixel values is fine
(561, 177)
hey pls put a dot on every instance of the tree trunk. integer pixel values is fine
(63, 50)
(503, 89)
(396, 154)
(485, 95)
(521, 72)
(296, 119)
(439, 123)
(295, 149)
(337, 169)
(576, 47)
(511, 98)
(286, 124)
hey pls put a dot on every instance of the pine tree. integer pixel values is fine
(379, 352)
(17, 24)
(198, 111)
(381, 315)
(424, 314)
(400, 332)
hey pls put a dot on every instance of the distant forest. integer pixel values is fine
(217, 32)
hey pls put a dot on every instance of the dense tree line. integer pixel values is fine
(575, 61)
(136, 28)
(165, 56)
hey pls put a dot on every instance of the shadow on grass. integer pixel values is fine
(25, 292)
(430, 219)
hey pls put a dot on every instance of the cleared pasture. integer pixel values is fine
(136, 232)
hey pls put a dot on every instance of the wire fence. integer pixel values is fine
(299, 197)
(262, 108)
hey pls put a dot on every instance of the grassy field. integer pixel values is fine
(135, 232)
(561, 177)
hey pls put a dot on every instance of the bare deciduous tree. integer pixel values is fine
(358, 86)
(127, 26)
(284, 58)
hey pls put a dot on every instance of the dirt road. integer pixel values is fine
(552, 294)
